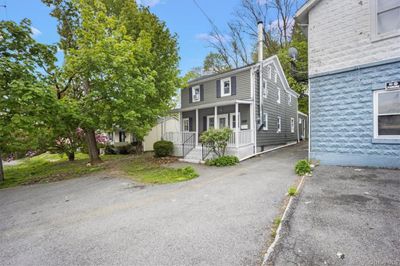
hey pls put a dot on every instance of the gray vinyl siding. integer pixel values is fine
(243, 91)
(275, 110)
(303, 125)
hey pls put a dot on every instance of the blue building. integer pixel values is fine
(354, 79)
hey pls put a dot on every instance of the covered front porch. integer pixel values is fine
(237, 115)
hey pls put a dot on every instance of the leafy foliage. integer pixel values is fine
(217, 139)
(163, 148)
(292, 191)
(223, 161)
(302, 167)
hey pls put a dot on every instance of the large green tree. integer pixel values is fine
(27, 104)
(123, 61)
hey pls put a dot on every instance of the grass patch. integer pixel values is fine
(275, 225)
(48, 168)
(146, 171)
(292, 191)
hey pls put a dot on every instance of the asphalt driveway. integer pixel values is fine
(344, 216)
(221, 218)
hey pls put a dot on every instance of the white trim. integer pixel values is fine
(276, 77)
(196, 137)
(222, 87)
(264, 89)
(215, 104)
(289, 100)
(265, 121)
(226, 119)
(183, 124)
(197, 87)
(375, 36)
(376, 114)
(269, 70)
(279, 124)
(302, 113)
(208, 121)
(219, 76)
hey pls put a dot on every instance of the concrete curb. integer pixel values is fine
(286, 215)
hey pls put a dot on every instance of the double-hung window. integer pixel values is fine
(265, 121)
(292, 125)
(186, 126)
(264, 88)
(279, 96)
(196, 94)
(385, 18)
(226, 87)
(279, 125)
(387, 114)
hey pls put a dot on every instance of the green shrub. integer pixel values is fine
(123, 148)
(163, 148)
(188, 172)
(292, 191)
(302, 167)
(110, 149)
(217, 139)
(223, 161)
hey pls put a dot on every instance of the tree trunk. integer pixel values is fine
(1, 170)
(94, 153)
(71, 156)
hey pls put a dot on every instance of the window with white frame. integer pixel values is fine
(265, 121)
(196, 94)
(387, 114)
(233, 120)
(269, 69)
(279, 96)
(279, 125)
(385, 18)
(226, 87)
(292, 125)
(289, 99)
(276, 76)
(186, 126)
(264, 88)
(210, 122)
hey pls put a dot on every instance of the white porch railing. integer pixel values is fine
(179, 137)
(244, 138)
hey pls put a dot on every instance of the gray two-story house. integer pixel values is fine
(255, 101)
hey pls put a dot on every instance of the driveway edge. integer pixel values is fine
(284, 225)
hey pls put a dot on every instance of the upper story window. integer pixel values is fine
(225, 87)
(196, 94)
(289, 99)
(269, 70)
(265, 121)
(386, 114)
(279, 96)
(264, 88)
(385, 18)
(292, 125)
(279, 125)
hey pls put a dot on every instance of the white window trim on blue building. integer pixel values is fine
(376, 115)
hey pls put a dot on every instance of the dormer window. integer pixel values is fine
(385, 18)
(226, 87)
(196, 94)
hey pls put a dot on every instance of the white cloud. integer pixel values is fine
(261, 2)
(35, 31)
(207, 37)
(149, 3)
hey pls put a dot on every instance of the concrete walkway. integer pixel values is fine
(220, 218)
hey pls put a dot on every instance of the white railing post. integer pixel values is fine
(237, 124)
(196, 137)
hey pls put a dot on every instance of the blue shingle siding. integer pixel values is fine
(342, 118)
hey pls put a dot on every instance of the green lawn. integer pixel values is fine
(146, 171)
(48, 167)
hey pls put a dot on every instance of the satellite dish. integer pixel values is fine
(293, 53)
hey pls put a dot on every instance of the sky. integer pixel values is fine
(181, 16)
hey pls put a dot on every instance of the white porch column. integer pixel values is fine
(237, 125)
(180, 122)
(216, 124)
(196, 137)
(252, 126)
